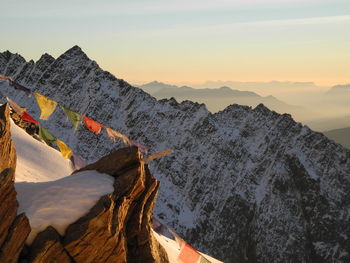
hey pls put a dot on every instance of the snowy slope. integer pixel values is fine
(37, 162)
(50, 196)
(243, 184)
(46, 190)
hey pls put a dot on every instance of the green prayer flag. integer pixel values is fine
(204, 260)
(73, 116)
(46, 136)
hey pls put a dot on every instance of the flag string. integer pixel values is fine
(48, 106)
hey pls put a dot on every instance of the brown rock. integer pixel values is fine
(9, 204)
(114, 163)
(15, 239)
(117, 228)
(7, 149)
(13, 229)
(47, 248)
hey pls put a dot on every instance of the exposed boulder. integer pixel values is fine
(13, 229)
(117, 228)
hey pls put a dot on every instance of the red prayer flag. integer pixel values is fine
(26, 117)
(92, 125)
(188, 254)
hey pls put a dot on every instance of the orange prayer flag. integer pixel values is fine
(188, 254)
(92, 125)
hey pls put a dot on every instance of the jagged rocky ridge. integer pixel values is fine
(243, 185)
(116, 229)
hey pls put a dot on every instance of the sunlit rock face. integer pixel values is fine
(117, 228)
(14, 228)
(243, 185)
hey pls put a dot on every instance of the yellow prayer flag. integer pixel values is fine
(46, 105)
(65, 150)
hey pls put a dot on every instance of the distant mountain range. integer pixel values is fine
(159, 89)
(339, 89)
(217, 99)
(321, 111)
(255, 86)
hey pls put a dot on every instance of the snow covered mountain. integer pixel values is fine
(243, 185)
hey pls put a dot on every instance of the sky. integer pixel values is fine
(189, 41)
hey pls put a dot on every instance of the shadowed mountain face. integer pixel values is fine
(243, 184)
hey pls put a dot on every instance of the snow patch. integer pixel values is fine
(60, 203)
(37, 162)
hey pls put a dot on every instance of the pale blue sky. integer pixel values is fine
(190, 40)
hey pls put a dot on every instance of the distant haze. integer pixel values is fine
(320, 108)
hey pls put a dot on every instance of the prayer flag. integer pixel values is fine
(15, 107)
(46, 136)
(188, 254)
(114, 135)
(18, 86)
(204, 260)
(46, 105)
(26, 117)
(92, 125)
(64, 149)
(73, 116)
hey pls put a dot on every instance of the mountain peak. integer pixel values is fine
(75, 48)
(46, 57)
(75, 51)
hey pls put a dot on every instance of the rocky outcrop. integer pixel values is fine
(14, 228)
(117, 228)
(235, 186)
